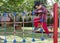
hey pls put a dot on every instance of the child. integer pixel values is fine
(42, 12)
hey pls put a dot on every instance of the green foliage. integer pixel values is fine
(56, 0)
(15, 5)
(20, 19)
(50, 21)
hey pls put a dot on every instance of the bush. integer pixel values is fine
(20, 19)
(50, 21)
(28, 24)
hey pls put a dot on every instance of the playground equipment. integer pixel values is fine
(42, 37)
(23, 26)
(14, 41)
(55, 34)
(33, 39)
(5, 41)
(41, 28)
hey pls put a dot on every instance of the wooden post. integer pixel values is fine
(55, 35)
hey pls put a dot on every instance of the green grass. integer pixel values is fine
(27, 35)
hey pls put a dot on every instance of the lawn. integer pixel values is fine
(27, 35)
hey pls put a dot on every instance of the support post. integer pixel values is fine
(55, 34)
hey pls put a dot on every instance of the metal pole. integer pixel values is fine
(55, 34)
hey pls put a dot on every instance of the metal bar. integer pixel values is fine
(55, 38)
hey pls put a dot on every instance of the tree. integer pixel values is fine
(15, 5)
